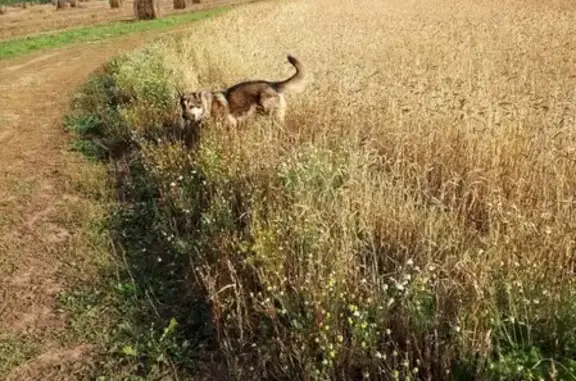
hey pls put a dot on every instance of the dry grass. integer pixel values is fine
(417, 209)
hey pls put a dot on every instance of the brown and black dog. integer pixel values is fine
(241, 101)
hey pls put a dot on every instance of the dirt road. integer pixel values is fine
(41, 209)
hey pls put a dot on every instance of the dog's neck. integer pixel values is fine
(218, 103)
(207, 101)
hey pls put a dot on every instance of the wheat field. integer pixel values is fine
(414, 219)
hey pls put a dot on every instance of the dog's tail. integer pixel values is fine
(297, 82)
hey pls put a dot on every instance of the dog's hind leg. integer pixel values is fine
(273, 106)
(280, 110)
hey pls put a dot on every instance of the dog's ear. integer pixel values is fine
(178, 96)
(205, 94)
(206, 97)
(180, 92)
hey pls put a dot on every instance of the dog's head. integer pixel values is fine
(195, 105)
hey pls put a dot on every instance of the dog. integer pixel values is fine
(243, 100)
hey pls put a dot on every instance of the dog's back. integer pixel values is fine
(246, 96)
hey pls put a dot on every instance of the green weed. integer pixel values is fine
(16, 2)
(14, 350)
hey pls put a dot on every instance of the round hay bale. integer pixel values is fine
(146, 9)
(73, 3)
(62, 4)
(24, 5)
(179, 4)
(196, 1)
(3, 10)
(115, 3)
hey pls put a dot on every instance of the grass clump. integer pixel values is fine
(24, 45)
(17, 2)
(14, 350)
(422, 233)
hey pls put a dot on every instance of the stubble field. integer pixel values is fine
(415, 218)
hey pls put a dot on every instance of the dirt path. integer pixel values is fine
(41, 209)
